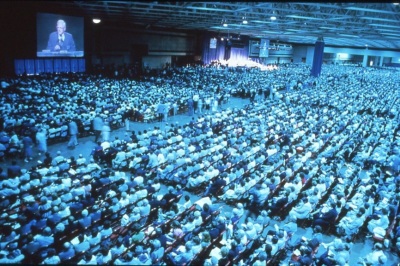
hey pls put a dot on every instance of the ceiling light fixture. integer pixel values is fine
(273, 17)
(96, 20)
(244, 20)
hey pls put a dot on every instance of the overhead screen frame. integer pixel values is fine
(46, 24)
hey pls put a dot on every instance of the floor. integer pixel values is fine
(360, 249)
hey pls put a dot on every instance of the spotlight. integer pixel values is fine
(273, 18)
(96, 20)
(225, 24)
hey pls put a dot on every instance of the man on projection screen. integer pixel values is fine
(61, 40)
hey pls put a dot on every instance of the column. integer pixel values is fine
(318, 57)
(365, 60)
(381, 61)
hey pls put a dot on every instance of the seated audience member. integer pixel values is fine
(183, 256)
(88, 259)
(85, 221)
(302, 210)
(14, 170)
(80, 244)
(379, 223)
(11, 254)
(377, 257)
(277, 203)
(215, 188)
(125, 259)
(157, 252)
(103, 256)
(44, 239)
(67, 253)
(141, 257)
(326, 216)
(350, 224)
(52, 258)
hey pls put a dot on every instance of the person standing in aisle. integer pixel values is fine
(27, 145)
(41, 141)
(200, 105)
(195, 102)
(97, 127)
(105, 132)
(73, 132)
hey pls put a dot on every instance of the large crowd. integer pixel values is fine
(312, 152)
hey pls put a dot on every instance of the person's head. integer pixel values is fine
(88, 255)
(224, 251)
(206, 237)
(61, 26)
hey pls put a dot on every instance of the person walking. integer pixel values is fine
(27, 146)
(41, 141)
(105, 132)
(200, 105)
(190, 106)
(97, 127)
(73, 132)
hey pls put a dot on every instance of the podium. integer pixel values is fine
(62, 53)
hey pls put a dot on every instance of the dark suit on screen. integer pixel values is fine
(68, 44)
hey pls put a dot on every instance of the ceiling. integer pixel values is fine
(376, 25)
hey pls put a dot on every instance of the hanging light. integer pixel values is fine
(273, 17)
(244, 20)
(96, 20)
(224, 23)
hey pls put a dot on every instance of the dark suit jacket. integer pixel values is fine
(330, 216)
(67, 45)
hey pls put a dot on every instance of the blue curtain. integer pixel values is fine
(48, 65)
(220, 51)
(239, 54)
(65, 65)
(57, 65)
(318, 58)
(212, 54)
(74, 65)
(81, 64)
(19, 66)
(39, 66)
(30, 66)
(227, 51)
(223, 51)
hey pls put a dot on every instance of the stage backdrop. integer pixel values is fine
(224, 50)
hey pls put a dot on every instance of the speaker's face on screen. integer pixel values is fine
(60, 27)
